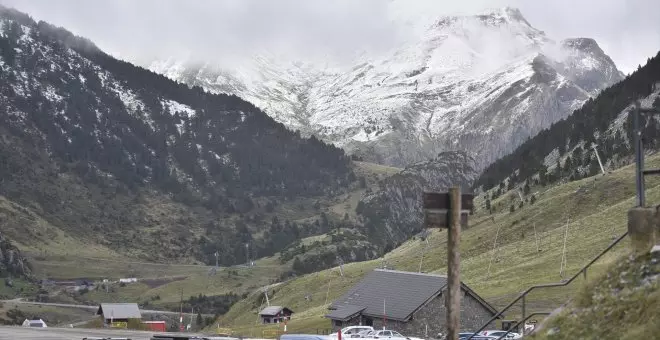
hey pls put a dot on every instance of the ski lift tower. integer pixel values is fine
(602, 169)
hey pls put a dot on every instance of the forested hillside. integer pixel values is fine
(101, 150)
(564, 151)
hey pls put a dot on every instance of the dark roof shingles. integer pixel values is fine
(344, 312)
(397, 293)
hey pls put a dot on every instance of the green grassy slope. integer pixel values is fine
(595, 208)
(52, 315)
(622, 304)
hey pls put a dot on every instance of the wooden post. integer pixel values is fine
(453, 269)
(450, 210)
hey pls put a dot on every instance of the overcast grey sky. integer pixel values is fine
(229, 30)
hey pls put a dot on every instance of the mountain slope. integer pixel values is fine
(623, 304)
(481, 84)
(99, 150)
(396, 208)
(564, 150)
(114, 160)
(502, 252)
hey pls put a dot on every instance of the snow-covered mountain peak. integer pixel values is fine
(504, 14)
(477, 83)
(583, 44)
(508, 17)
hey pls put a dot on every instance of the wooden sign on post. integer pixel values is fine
(436, 209)
(450, 210)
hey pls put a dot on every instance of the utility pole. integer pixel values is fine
(536, 239)
(563, 251)
(247, 254)
(181, 312)
(639, 150)
(216, 259)
(639, 155)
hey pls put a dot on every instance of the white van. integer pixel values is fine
(351, 332)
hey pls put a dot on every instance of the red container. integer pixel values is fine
(156, 326)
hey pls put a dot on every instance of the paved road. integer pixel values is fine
(51, 333)
(66, 305)
(20, 333)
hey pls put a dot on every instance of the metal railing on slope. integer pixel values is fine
(548, 285)
(522, 322)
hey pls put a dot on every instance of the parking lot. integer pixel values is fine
(21, 333)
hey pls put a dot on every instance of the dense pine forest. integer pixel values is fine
(91, 144)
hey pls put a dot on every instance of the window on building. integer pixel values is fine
(369, 321)
(337, 323)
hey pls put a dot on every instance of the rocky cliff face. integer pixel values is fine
(12, 263)
(396, 208)
(481, 84)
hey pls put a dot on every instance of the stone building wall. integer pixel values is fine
(430, 320)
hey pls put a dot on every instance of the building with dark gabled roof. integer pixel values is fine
(118, 313)
(275, 314)
(408, 302)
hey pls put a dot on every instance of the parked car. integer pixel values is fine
(389, 334)
(366, 334)
(352, 332)
(304, 337)
(499, 333)
(466, 335)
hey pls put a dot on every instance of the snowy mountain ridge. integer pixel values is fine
(479, 83)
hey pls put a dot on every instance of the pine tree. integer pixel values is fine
(298, 266)
(543, 175)
(568, 165)
(526, 188)
(594, 168)
(199, 320)
(532, 199)
(509, 185)
(512, 208)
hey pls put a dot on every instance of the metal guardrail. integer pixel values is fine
(582, 271)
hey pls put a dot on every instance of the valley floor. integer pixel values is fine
(502, 254)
